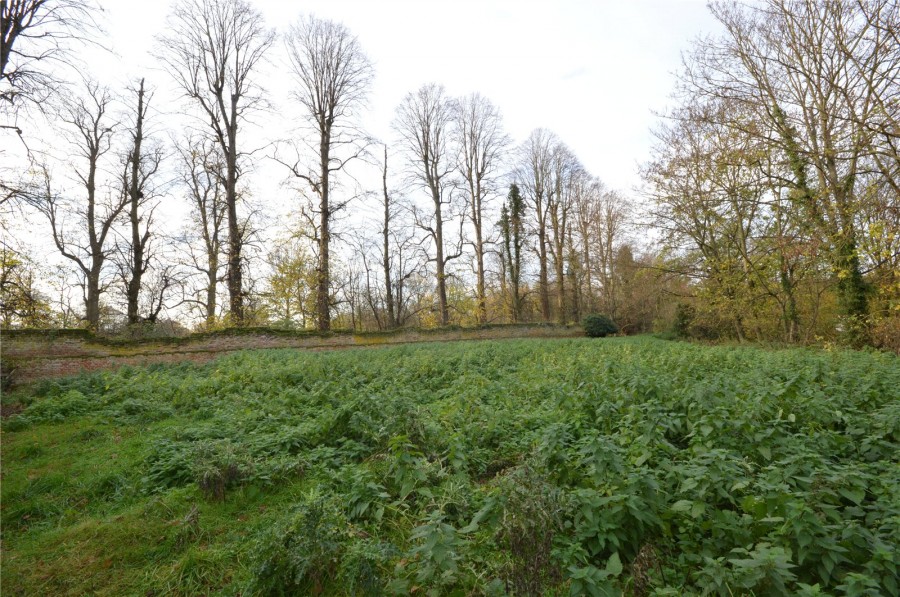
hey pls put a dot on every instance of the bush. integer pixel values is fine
(685, 315)
(598, 326)
(886, 333)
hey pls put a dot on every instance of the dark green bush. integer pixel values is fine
(684, 317)
(598, 326)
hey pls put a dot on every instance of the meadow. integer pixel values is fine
(632, 466)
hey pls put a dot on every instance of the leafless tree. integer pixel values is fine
(424, 120)
(202, 176)
(332, 77)
(140, 165)
(212, 50)
(396, 258)
(36, 34)
(565, 171)
(90, 131)
(534, 174)
(481, 142)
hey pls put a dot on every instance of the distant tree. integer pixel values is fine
(21, 303)
(90, 129)
(534, 173)
(424, 120)
(481, 141)
(202, 176)
(141, 164)
(565, 171)
(512, 232)
(212, 50)
(332, 77)
(292, 286)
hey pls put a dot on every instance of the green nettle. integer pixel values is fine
(632, 466)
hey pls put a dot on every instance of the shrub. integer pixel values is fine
(531, 520)
(598, 326)
(886, 333)
(684, 317)
(301, 553)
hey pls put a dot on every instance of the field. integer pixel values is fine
(529, 467)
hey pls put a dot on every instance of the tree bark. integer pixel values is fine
(135, 195)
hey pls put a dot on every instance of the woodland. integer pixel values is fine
(768, 210)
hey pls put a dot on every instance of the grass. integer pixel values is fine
(507, 467)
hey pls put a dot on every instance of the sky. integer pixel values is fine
(592, 71)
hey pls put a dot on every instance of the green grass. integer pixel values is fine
(508, 467)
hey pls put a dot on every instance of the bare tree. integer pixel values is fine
(396, 250)
(534, 174)
(202, 173)
(91, 129)
(332, 77)
(424, 120)
(141, 164)
(386, 248)
(481, 141)
(35, 34)
(564, 171)
(212, 50)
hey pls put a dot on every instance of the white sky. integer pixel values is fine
(590, 70)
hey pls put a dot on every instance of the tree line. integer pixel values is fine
(769, 206)
(775, 179)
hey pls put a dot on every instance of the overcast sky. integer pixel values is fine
(591, 71)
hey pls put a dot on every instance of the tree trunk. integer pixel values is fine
(439, 241)
(543, 277)
(135, 195)
(235, 279)
(479, 253)
(92, 298)
(211, 287)
(386, 255)
(323, 287)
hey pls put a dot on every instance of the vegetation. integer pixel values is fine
(598, 326)
(522, 467)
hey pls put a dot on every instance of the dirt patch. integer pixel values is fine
(8, 410)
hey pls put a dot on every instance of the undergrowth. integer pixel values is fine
(527, 467)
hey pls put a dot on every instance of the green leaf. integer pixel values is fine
(682, 506)
(614, 565)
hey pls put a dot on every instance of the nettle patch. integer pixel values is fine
(528, 467)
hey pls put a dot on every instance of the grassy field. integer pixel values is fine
(531, 467)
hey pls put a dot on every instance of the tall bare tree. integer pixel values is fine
(534, 173)
(212, 50)
(90, 129)
(202, 174)
(565, 170)
(332, 77)
(481, 141)
(389, 299)
(424, 120)
(141, 164)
